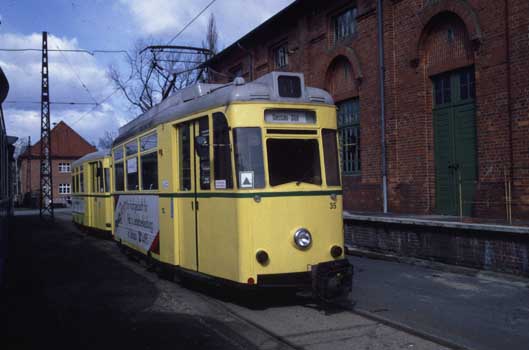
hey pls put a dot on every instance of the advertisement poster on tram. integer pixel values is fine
(136, 220)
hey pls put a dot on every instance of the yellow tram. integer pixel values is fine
(91, 198)
(238, 182)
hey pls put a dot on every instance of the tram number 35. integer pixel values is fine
(332, 205)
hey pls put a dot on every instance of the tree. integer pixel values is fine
(155, 74)
(106, 141)
(212, 36)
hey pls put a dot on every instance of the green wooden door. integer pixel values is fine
(455, 141)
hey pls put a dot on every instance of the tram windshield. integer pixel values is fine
(293, 160)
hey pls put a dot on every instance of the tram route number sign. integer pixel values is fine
(246, 179)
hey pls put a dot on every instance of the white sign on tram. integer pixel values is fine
(246, 179)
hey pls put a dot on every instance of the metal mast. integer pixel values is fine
(46, 182)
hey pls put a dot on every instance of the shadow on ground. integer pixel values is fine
(63, 292)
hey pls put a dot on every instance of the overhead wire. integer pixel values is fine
(191, 22)
(77, 75)
(95, 107)
(53, 103)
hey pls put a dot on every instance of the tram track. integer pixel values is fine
(252, 324)
(410, 330)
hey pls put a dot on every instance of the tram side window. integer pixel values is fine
(81, 181)
(185, 157)
(107, 180)
(330, 152)
(205, 161)
(131, 149)
(100, 182)
(132, 174)
(149, 171)
(221, 151)
(249, 158)
(119, 183)
(149, 162)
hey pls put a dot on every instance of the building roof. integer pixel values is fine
(200, 97)
(280, 16)
(65, 143)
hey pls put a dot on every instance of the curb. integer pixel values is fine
(434, 265)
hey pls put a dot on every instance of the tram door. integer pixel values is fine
(186, 200)
(205, 220)
(96, 201)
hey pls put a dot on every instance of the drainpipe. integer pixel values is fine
(509, 88)
(382, 70)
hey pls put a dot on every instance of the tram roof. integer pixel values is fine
(200, 97)
(91, 156)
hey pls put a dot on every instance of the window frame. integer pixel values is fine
(337, 39)
(119, 150)
(277, 50)
(229, 184)
(65, 189)
(128, 158)
(65, 168)
(342, 127)
(147, 152)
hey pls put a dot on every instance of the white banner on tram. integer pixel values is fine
(136, 220)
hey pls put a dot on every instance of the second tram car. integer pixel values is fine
(91, 200)
(237, 182)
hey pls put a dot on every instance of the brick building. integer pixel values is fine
(456, 87)
(66, 147)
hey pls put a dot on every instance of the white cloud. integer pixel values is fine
(234, 17)
(91, 124)
(23, 69)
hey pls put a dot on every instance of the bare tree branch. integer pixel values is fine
(154, 75)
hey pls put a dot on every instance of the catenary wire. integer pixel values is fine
(191, 22)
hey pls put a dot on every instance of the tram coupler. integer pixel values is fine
(332, 280)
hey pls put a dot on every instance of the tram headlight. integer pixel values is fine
(302, 238)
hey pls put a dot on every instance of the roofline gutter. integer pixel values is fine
(382, 71)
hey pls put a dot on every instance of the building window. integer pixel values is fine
(64, 189)
(281, 56)
(345, 24)
(349, 134)
(65, 168)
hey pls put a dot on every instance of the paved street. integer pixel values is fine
(68, 290)
(75, 291)
(478, 312)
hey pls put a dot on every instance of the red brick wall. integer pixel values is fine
(519, 73)
(58, 177)
(415, 49)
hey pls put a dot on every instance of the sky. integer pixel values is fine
(99, 25)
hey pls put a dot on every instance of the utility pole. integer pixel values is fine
(46, 180)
